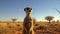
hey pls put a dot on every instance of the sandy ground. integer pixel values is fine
(39, 28)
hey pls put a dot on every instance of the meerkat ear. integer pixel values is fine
(24, 9)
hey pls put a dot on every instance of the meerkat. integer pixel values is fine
(28, 21)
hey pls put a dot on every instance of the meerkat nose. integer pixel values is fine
(29, 10)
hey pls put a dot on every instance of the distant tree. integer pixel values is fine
(14, 19)
(57, 21)
(0, 21)
(53, 21)
(49, 18)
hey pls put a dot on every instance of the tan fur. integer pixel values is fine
(28, 21)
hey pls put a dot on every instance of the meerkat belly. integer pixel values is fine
(28, 23)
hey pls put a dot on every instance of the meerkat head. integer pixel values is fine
(28, 10)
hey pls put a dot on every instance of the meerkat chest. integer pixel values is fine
(28, 20)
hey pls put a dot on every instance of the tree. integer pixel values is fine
(14, 19)
(49, 18)
(57, 21)
(53, 21)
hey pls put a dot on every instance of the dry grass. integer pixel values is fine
(39, 28)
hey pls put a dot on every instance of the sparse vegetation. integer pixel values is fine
(49, 18)
(41, 28)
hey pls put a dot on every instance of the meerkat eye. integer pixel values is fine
(27, 8)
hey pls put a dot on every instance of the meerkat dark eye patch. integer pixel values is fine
(27, 8)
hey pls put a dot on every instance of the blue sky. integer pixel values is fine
(40, 8)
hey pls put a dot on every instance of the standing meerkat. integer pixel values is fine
(28, 21)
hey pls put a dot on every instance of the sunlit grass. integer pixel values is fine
(39, 28)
